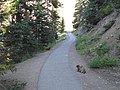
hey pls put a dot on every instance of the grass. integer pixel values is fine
(118, 36)
(61, 37)
(86, 43)
(102, 49)
(12, 85)
(25, 57)
(104, 61)
(50, 45)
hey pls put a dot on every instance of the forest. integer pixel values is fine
(31, 26)
(27, 27)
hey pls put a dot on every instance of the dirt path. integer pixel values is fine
(56, 74)
(29, 70)
(91, 80)
(33, 69)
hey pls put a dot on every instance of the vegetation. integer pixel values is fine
(26, 27)
(102, 49)
(12, 85)
(85, 43)
(87, 14)
(104, 61)
(88, 45)
(62, 25)
(90, 12)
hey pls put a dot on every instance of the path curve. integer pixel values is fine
(56, 73)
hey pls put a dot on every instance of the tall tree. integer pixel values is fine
(32, 26)
(62, 26)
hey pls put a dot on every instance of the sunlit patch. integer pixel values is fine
(67, 12)
(2, 29)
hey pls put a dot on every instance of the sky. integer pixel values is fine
(67, 12)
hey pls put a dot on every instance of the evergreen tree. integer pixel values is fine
(31, 25)
(62, 26)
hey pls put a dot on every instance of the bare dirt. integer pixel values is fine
(94, 79)
(29, 71)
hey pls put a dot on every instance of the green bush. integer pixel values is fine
(100, 62)
(106, 9)
(81, 44)
(116, 3)
(85, 43)
(12, 84)
(118, 36)
(102, 49)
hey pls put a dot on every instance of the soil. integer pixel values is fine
(111, 74)
(28, 71)
(88, 80)
(110, 37)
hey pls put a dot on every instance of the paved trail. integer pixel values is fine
(52, 70)
(56, 73)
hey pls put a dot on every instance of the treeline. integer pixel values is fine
(89, 12)
(27, 26)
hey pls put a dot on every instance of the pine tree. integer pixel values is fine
(62, 26)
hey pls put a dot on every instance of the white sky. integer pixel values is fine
(67, 12)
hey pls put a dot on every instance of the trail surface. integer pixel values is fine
(56, 70)
(56, 73)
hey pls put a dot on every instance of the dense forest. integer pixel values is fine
(26, 27)
(90, 12)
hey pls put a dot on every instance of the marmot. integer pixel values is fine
(81, 69)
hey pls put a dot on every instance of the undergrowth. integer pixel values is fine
(104, 61)
(12, 85)
(88, 44)
(85, 43)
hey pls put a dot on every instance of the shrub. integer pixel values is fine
(5, 67)
(85, 43)
(100, 62)
(118, 36)
(106, 9)
(102, 49)
(12, 84)
(81, 44)
(116, 3)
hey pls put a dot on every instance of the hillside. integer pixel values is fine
(99, 38)
(109, 32)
